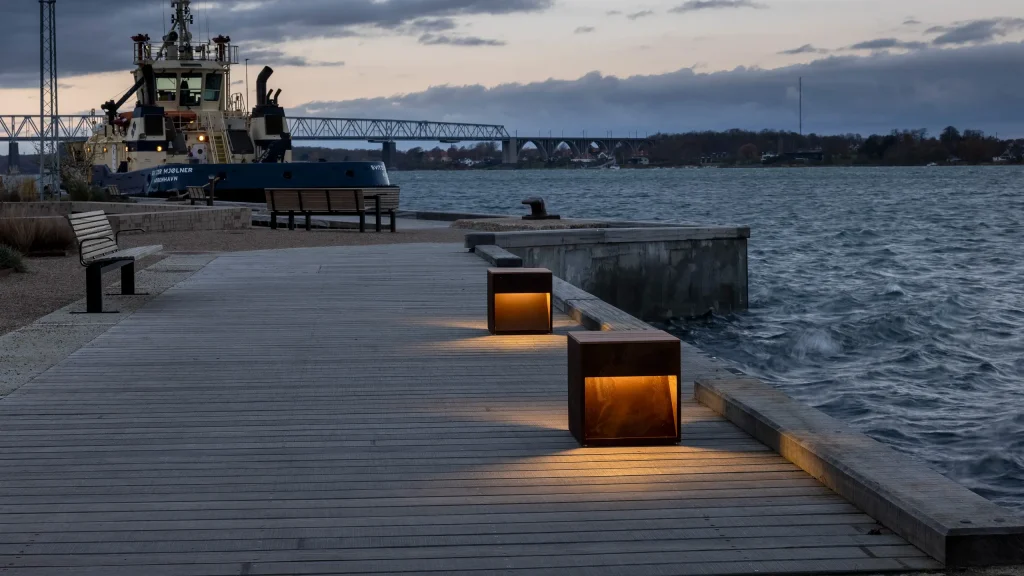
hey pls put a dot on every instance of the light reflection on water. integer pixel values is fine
(891, 298)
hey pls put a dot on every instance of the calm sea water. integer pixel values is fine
(890, 298)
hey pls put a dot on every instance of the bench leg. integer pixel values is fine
(377, 213)
(309, 217)
(273, 220)
(394, 225)
(93, 290)
(291, 220)
(128, 279)
(209, 200)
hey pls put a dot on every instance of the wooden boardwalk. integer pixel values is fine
(342, 410)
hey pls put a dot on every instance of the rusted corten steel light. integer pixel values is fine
(519, 301)
(624, 388)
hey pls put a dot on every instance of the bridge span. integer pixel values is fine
(78, 127)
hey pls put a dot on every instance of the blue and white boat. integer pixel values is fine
(187, 129)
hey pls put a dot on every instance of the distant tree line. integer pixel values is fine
(479, 155)
(732, 148)
(898, 148)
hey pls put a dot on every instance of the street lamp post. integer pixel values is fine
(247, 84)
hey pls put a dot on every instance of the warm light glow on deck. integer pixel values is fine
(522, 312)
(631, 407)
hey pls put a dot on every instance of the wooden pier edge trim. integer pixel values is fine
(944, 519)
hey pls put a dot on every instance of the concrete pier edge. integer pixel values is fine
(653, 273)
(944, 519)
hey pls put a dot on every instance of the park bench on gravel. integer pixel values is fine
(98, 252)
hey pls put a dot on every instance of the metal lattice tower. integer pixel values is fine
(49, 125)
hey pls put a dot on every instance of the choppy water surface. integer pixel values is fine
(892, 299)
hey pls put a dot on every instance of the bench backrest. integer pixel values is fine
(197, 192)
(94, 234)
(388, 198)
(113, 190)
(314, 200)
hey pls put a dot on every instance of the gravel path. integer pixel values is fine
(52, 283)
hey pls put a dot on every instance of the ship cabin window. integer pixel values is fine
(166, 87)
(191, 89)
(214, 82)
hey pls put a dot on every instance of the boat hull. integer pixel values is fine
(243, 182)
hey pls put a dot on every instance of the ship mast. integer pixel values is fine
(180, 37)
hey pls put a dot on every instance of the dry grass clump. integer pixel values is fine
(28, 235)
(20, 190)
(11, 259)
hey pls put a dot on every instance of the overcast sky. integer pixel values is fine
(573, 65)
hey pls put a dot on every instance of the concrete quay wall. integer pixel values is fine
(652, 273)
(149, 217)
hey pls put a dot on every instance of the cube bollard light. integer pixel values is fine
(624, 388)
(519, 301)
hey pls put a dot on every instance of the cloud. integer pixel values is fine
(805, 49)
(441, 39)
(975, 31)
(695, 5)
(888, 43)
(82, 51)
(614, 13)
(584, 30)
(432, 25)
(272, 57)
(875, 93)
(641, 14)
(911, 22)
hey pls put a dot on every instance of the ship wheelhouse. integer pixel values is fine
(185, 111)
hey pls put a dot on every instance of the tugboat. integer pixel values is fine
(188, 130)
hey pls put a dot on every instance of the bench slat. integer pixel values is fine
(88, 220)
(97, 234)
(98, 243)
(90, 227)
(83, 215)
(346, 200)
(315, 201)
(283, 200)
(92, 254)
(389, 198)
(126, 254)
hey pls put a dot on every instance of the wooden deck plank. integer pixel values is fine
(343, 410)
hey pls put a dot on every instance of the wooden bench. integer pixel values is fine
(114, 192)
(315, 201)
(385, 201)
(98, 252)
(199, 193)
